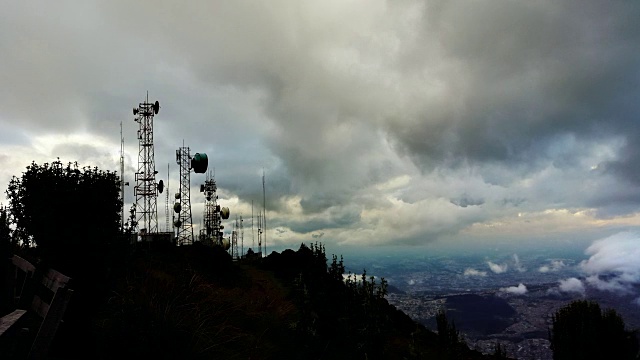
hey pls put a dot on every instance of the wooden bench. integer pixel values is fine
(19, 278)
(49, 299)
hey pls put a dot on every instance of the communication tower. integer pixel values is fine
(146, 189)
(262, 221)
(264, 215)
(241, 237)
(198, 163)
(260, 234)
(234, 239)
(211, 234)
(166, 205)
(121, 176)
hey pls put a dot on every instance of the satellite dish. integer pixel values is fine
(156, 107)
(177, 223)
(201, 187)
(177, 195)
(199, 163)
(177, 207)
(135, 111)
(221, 227)
(226, 244)
(208, 198)
(224, 212)
(160, 186)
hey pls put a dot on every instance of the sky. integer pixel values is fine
(377, 123)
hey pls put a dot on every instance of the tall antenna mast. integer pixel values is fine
(264, 209)
(121, 176)
(199, 163)
(260, 233)
(183, 207)
(241, 237)
(253, 237)
(211, 234)
(166, 204)
(234, 239)
(146, 189)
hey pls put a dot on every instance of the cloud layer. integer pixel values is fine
(378, 122)
(613, 263)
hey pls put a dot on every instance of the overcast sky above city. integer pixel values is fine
(376, 122)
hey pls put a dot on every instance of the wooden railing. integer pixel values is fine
(45, 298)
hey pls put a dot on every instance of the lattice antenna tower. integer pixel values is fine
(213, 213)
(198, 163)
(166, 205)
(264, 216)
(146, 189)
(241, 237)
(234, 239)
(213, 219)
(260, 232)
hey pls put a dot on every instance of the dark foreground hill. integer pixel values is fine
(194, 302)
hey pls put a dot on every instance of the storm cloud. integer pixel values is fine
(376, 123)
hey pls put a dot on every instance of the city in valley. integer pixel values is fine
(495, 298)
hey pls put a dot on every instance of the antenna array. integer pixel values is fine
(234, 239)
(183, 205)
(198, 163)
(213, 214)
(146, 189)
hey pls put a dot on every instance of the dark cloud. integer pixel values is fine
(527, 73)
(465, 200)
(395, 119)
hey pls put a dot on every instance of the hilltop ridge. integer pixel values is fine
(194, 302)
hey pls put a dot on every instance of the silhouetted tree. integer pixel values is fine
(582, 331)
(64, 209)
(448, 336)
(5, 234)
(499, 352)
(72, 216)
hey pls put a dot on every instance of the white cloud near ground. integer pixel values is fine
(517, 264)
(497, 268)
(474, 272)
(614, 263)
(572, 285)
(521, 289)
(554, 265)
